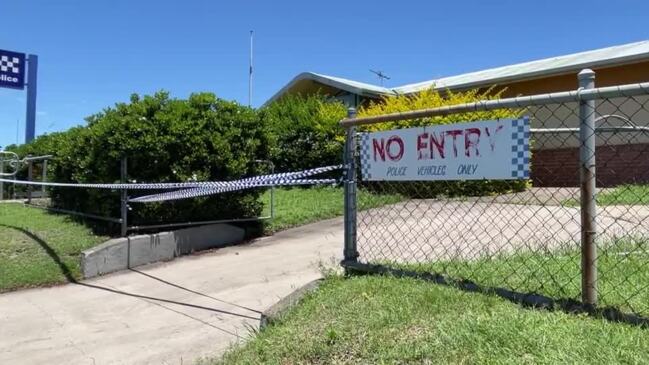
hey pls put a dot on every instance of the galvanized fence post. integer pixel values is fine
(30, 176)
(350, 251)
(44, 175)
(588, 191)
(123, 198)
(2, 186)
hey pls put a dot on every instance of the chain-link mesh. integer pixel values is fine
(526, 237)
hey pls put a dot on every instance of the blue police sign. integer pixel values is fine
(12, 69)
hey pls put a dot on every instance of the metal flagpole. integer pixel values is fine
(250, 73)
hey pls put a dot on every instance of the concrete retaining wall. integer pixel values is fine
(123, 253)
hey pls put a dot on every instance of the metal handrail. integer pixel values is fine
(508, 103)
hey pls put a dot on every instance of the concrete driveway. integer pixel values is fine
(428, 230)
(171, 313)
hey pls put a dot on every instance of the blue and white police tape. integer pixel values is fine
(198, 192)
(182, 185)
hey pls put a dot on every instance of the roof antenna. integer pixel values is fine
(381, 76)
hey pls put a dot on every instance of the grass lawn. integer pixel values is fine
(626, 195)
(38, 248)
(386, 320)
(298, 206)
(621, 195)
(623, 273)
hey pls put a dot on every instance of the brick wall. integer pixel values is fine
(615, 165)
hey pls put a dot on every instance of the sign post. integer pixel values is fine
(13, 68)
(492, 149)
(30, 115)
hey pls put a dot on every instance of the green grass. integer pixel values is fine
(298, 206)
(385, 320)
(623, 273)
(38, 248)
(625, 195)
(621, 195)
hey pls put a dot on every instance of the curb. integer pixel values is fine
(279, 309)
(132, 251)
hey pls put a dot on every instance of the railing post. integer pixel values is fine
(272, 193)
(123, 198)
(350, 251)
(588, 192)
(30, 176)
(44, 175)
(2, 170)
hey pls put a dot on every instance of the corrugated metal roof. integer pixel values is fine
(354, 87)
(611, 56)
(597, 58)
(372, 89)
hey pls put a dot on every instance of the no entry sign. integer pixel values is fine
(12, 69)
(492, 149)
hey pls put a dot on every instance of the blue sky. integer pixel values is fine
(95, 53)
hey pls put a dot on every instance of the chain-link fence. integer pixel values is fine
(578, 229)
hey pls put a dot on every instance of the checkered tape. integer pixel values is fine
(197, 192)
(521, 148)
(365, 156)
(199, 184)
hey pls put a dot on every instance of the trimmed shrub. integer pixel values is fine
(304, 131)
(164, 140)
(433, 99)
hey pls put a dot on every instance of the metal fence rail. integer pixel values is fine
(122, 195)
(578, 231)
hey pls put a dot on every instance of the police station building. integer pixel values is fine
(552, 155)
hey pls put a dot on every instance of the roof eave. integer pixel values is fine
(562, 70)
(310, 76)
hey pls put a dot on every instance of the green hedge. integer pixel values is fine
(304, 131)
(164, 140)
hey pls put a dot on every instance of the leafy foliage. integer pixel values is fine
(304, 131)
(164, 140)
(431, 98)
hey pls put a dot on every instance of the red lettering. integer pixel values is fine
(391, 141)
(471, 140)
(492, 140)
(422, 145)
(378, 148)
(437, 143)
(454, 133)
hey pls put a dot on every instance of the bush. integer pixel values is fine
(304, 131)
(433, 99)
(164, 140)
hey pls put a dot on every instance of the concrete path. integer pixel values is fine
(171, 313)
